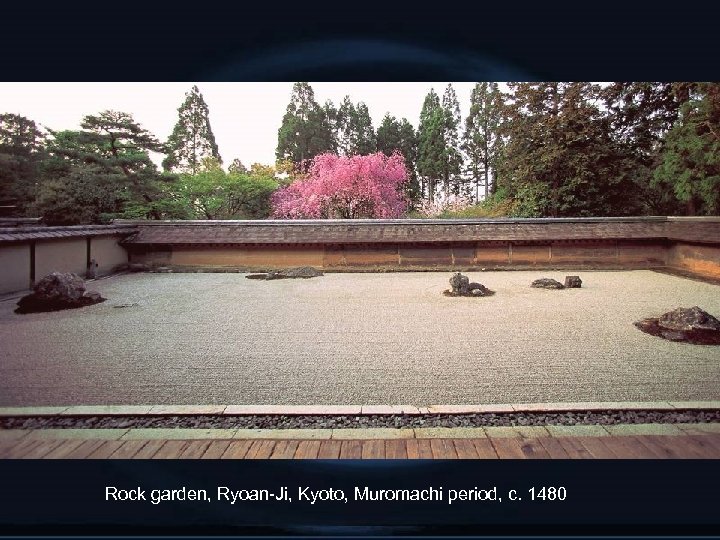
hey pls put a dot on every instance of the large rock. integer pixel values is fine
(461, 286)
(688, 320)
(58, 291)
(547, 283)
(688, 325)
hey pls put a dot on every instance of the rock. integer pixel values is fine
(573, 282)
(461, 286)
(687, 325)
(689, 319)
(58, 291)
(59, 287)
(547, 283)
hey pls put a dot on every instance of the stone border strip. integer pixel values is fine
(495, 432)
(351, 410)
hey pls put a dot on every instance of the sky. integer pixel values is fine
(245, 116)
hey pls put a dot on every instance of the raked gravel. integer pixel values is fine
(386, 338)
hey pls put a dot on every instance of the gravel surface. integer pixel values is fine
(386, 338)
(371, 421)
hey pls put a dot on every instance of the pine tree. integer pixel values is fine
(481, 140)
(306, 129)
(192, 139)
(431, 145)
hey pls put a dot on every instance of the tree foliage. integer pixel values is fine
(306, 129)
(346, 187)
(399, 136)
(690, 165)
(431, 145)
(481, 139)
(192, 139)
(355, 133)
(21, 153)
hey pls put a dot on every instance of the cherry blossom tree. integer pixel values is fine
(347, 188)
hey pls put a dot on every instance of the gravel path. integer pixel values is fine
(358, 339)
(367, 421)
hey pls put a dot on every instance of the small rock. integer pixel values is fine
(461, 286)
(687, 325)
(573, 282)
(547, 283)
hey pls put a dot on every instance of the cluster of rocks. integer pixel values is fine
(58, 291)
(303, 272)
(461, 286)
(688, 325)
(365, 421)
(571, 282)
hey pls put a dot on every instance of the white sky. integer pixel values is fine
(245, 116)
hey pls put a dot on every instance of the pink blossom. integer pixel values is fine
(346, 187)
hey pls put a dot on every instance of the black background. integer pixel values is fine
(603, 497)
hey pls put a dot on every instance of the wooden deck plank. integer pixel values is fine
(629, 447)
(373, 449)
(412, 449)
(597, 447)
(707, 445)
(443, 449)
(574, 448)
(396, 449)
(42, 449)
(18, 450)
(149, 449)
(105, 450)
(329, 449)
(351, 450)
(533, 449)
(195, 450)
(669, 447)
(485, 449)
(466, 449)
(216, 449)
(170, 450)
(553, 448)
(85, 449)
(260, 449)
(63, 450)
(307, 450)
(284, 450)
(128, 450)
(237, 449)
(508, 447)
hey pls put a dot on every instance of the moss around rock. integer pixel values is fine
(687, 325)
(303, 272)
(547, 283)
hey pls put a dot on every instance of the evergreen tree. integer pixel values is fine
(356, 135)
(481, 140)
(690, 165)
(431, 145)
(640, 115)
(192, 139)
(452, 158)
(394, 136)
(560, 158)
(21, 152)
(110, 157)
(306, 129)
(237, 167)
